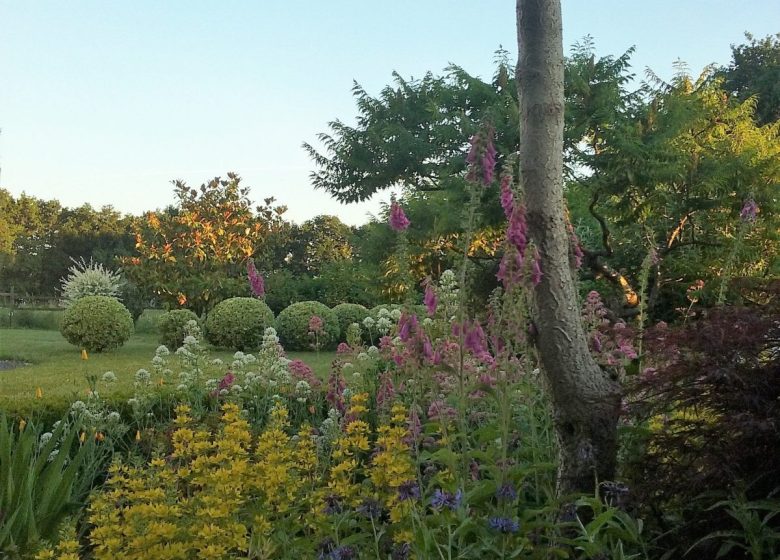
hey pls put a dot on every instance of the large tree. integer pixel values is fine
(586, 400)
(194, 253)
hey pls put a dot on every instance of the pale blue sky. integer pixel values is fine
(106, 101)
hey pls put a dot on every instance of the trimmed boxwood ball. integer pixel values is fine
(292, 326)
(348, 313)
(97, 323)
(238, 323)
(171, 324)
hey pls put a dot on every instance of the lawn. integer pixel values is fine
(57, 368)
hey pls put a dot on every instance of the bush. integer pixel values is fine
(170, 325)
(45, 319)
(292, 325)
(97, 323)
(709, 410)
(90, 279)
(348, 313)
(238, 323)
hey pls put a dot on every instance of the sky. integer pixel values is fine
(106, 102)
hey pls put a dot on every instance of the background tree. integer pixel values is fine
(586, 401)
(755, 71)
(194, 254)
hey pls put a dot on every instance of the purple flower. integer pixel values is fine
(370, 508)
(401, 551)
(408, 326)
(504, 524)
(482, 157)
(333, 504)
(316, 324)
(430, 300)
(408, 491)
(517, 230)
(749, 211)
(442, 499)
(507, 492)
(256, 282)
(507, 198)
(475, 339)
(398, 220)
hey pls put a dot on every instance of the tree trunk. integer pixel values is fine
(586, 402)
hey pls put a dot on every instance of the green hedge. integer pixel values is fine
(292, 326)
(238, 323)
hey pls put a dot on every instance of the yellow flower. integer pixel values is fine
(84, 355)
(22, 424)
(38, 393)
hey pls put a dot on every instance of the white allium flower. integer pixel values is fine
(114, 417)
(211, 384)
(217, 362)
(189, 340)
(395, 314)
(427, 322)
(236, 388)
(45, 437)
(158, 361)
(238, 355)
(368, 322)
(373, 351)
(53, 455)
(78, 407)
(383, 312)
(142, 376)
(56, 425)
(162, 350)
(302, 386)
(383, 325)
(362, 356)
(109, 377)
(133, 402)
(181, 387)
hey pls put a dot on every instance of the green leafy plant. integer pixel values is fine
(171, 325)
(348, 313)
(43, 477)
(88, 278)
(292, 325)
(238, 323)
(97, 323)
(757, 535)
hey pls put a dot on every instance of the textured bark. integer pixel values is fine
(586, 401)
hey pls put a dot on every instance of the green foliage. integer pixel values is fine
(238, 323)
(133, 298)
(755, 71)
(46, 319)
(348, 313)
(42, 477)
(90, 279)
(292, 325)
(194, 254)
(97, 323)
(171, 327)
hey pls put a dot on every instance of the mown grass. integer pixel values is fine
(57, 368)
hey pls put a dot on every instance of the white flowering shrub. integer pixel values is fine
(90, 279)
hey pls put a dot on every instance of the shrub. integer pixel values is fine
(238, 323)
(170, 325)
(348, 313)
(97, 323)
(90, 279)
(292, 325)
(710, 408)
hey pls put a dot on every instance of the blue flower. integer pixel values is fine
(408, 491)
(442, 499)
(506, 492)
(504, 524)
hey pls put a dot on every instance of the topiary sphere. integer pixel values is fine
(292, 326)
(97, 323)
(171, 324)
(238, 323)
(348, 313)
